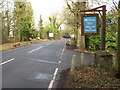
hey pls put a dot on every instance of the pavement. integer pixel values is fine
(37, 65)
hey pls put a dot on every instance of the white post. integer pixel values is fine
(114, 61)
(82, 59)
(73, 63)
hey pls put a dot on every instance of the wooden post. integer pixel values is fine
(103, 29)
(73, 63)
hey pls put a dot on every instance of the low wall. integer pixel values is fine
(104, 59)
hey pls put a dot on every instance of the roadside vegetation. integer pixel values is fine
(9, 46)
(91, 43)
(17, 23)
(88, 77)
(18, 28)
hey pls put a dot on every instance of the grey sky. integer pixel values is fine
(48, 7)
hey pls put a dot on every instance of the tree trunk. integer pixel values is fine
(0, 30)
(80, 40)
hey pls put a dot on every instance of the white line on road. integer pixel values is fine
(60, 57)
(61, 54)
(48, 44)
(7, 61)
(35, 49)
(59, 62)
(52, 81)
(63, 50)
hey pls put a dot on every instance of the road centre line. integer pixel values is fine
(63, 50)
(59, 62)
(6, 61)
(53, 80)
(35, 49)
(61, 54)
(60, 57)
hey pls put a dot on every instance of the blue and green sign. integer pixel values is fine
(90, 24)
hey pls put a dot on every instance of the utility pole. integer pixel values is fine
(118, 42)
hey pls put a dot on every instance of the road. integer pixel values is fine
(37, 65)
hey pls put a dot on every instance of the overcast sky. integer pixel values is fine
(48, 7)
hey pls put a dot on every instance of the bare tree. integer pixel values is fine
(73, 19)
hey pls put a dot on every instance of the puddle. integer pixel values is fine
(43, 76)
(40, 77)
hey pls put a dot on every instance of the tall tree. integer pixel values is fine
(40, 34)
(0, 28)
(54, 26)
(6, 9)
(23, 20)
(74, 20)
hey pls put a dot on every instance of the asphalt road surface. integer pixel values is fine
(37, 65)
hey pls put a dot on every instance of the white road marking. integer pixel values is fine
(59, 62)
(44, 61)
(60, 57)
(48, 44)
(7, 61)
(52, 81)
(63, 50)
(19, 48)
(61, 54)
(35, 49)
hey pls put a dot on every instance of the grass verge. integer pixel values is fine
(8, 46)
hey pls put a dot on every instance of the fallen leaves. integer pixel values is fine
(88, 77)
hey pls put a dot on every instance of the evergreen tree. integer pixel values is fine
(23, 18)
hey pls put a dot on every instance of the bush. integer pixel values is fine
(94, 43)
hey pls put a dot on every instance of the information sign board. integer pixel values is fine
(51, 35)
(90, 24)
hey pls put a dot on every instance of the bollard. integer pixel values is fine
(82, 59)
(114, 61)
(73, 63)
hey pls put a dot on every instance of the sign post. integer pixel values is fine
(103, 15)
(103, 29)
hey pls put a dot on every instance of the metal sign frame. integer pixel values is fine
(96, 24)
